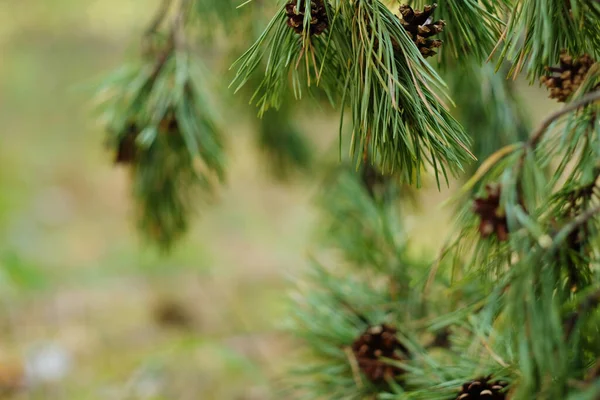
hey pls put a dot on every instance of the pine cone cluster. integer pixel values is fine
(421, 27)
(493, 217)
(295, 13)
(483, 388)
(377, 342)
(565, 79)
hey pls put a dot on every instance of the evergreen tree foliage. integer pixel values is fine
(161, 124)
(509, 307)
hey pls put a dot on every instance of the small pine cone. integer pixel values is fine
(169, 123)
(421, 27)
(442, 339)
(483, 388)
(493, 217)
(318, 16)
(127, 150)
(377, 342)
(565, 79)
(172, 314)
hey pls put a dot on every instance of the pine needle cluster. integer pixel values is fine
(366, 61)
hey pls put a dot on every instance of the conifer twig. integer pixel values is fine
(492, 353)
(540, 131)
(159, 17)
(178, 27)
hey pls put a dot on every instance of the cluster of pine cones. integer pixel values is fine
(379, 342)
(418, 24)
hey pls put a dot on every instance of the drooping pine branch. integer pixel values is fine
(161, 125)
(292, 55)
(363, 59)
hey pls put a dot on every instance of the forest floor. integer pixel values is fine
(81, 300)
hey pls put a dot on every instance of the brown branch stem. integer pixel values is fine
(538, 134)
(542, 129)
(159, 17)
(178, 26)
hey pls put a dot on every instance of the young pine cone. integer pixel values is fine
(295, 12)
(482, 388)
(377, 342)
(565, 79)
(491, 214)
(127, 149)
(421, 27)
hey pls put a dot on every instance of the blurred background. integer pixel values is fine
(87, 311)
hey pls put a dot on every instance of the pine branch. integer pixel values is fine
(365, 58)
(161, 126)
(471, 31)
(159, 17)
(411, 127)
(538, 134)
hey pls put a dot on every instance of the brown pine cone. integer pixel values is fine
(493, 217)
(377, 342)
(127, 150)
(565, 79)
(318, 16)
(169, 124)
(421, 27)
(482, 388)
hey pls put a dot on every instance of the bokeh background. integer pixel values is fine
(86, 310)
